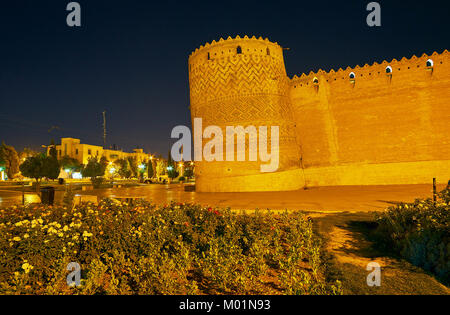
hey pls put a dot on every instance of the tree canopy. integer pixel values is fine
(94, 168)
(38, 167)
(150, 171)
(123, 168)
(71, 164)
(9, 159)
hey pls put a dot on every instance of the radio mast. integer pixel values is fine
(104, 129)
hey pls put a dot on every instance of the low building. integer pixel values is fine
(83, 152)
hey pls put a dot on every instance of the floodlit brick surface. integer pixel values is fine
(373, 129)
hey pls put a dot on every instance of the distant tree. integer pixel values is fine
(172, 172)
(52, 168)
(51, 163)
(170, 160)
(94, 169)
(104, 162)
(171, 167)
(123, 168)
(52, 151)
(71, 164)
(132, 161)
(35, 167)
(26, 153)
(154, 164)
(10, 160)
(161, 167)
(150, 171)
(188, 173)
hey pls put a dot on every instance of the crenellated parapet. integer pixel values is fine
(367, 72)
(224, 48)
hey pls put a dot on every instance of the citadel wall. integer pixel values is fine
(377, 128)
(242, 82)
(371, 129)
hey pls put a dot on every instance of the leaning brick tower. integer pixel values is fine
(243, 82)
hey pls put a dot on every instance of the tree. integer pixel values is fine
(161, 167)
(10, 160)
(52, 168)
(123, 168)
(95, 169)
(188, 173)
(35, 167)
(169, 160)
(132, 161)
(52, 151)
(171, 169)
(150, 171)
(51, 163)
(26, 153)
(172, 172)
(71, 164)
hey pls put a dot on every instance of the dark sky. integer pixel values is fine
(130, 57)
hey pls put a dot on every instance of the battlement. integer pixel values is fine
(357, 73)
(231, 47)
(384, 123)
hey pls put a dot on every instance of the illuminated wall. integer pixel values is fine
(375, 127)
(358, 126)
(241, 82)
(83, 152)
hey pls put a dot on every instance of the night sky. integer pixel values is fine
(130, 58)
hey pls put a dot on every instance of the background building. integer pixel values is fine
(83, 152)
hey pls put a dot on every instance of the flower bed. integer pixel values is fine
(144, 249)
(419, 232)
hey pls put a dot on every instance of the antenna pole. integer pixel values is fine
(104, 129)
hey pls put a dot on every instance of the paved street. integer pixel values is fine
(344, 198)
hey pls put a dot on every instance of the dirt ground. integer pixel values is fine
(348, 251)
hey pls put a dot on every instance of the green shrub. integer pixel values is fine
(172, 249)
(419, 232)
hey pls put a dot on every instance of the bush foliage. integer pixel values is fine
(420, 232)
(172, 249)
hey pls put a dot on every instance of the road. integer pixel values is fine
(342, 198)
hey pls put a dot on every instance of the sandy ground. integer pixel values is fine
(348, 252)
